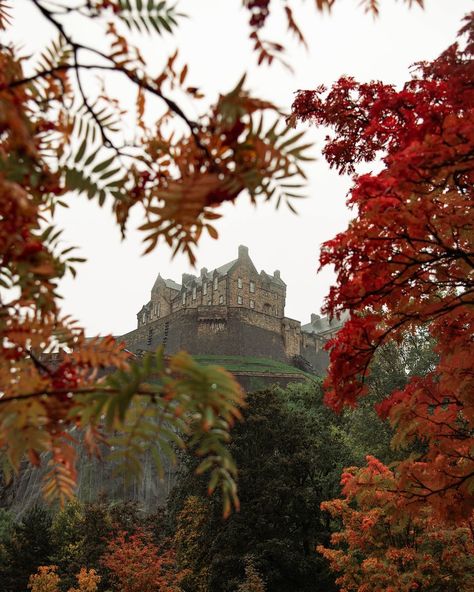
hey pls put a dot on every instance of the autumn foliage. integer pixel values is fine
(377, 550)
(47, 580)
(406, 261)
(137, 564)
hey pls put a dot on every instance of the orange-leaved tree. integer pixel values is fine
(47, 580)
(136, 564)
(406, 261)
(376, 550)
(58, 137)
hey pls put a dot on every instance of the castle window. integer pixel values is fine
(252, 304)
(194, 292)
(204, 288)
(239, 284)
(239, 300)
(209, 302)
(221, 299)
(215, 283)
(184, 297)
(252, 286)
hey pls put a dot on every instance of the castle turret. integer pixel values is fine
(159, 284)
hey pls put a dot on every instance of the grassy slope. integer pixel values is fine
(250, 364)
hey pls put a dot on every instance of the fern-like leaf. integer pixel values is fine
(151, 406)
(147, 16)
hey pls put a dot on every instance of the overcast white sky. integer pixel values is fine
(116, 280)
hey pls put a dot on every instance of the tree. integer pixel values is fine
(27, 547)
(405, 263)
(253, 580)
(80, 533)
(57, 138)
(74, 541)
(392, 367)
(189, 540)
(69, 541)
(375, 550)
(290, 456)
(137, 564)
(44, 580)
(6, 527)
(47, 580)
(87, 581)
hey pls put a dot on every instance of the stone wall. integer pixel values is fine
(230, 330)
(312, 349)
(218, 330)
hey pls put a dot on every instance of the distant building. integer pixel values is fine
(231, 310)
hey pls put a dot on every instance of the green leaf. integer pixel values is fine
(103, 165)
(81, 151)
(165, 24)
(91, 157)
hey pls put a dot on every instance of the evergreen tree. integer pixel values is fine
(289, 458)
(28, 547)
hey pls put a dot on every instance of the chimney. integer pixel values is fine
(243, 252)
(186, 278)
(314, 318)
(276, 274)
(203, 271)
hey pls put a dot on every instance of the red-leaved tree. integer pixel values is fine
(406, 260)
(137, 564)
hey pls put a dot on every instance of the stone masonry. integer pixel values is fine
(231, 310)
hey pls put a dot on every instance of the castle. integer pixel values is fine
(231, 310)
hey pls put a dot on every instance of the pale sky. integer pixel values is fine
(116, 280)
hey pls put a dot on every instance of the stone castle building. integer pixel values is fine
(231, 310)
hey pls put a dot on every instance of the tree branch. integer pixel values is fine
(73, 392)
(146, 85)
